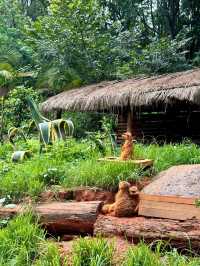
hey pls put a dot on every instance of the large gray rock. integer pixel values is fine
(182, 180)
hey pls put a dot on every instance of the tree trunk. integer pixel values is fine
(2, 120)
(184, 234)
(131, 124)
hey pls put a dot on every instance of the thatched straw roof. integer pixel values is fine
(138, 92)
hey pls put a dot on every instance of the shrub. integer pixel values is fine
(16, 109)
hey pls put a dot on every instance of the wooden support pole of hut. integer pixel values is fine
(59, 114)
(131, 123)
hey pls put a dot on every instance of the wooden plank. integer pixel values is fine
(166, 198)
(137, 162)
(168, 210)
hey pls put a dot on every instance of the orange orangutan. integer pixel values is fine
(126, 201)
(127, 150)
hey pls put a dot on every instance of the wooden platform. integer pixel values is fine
(138, 162)
(171, 207)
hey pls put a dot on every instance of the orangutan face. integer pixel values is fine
(124, 185)
(133, 190)
(127, 136)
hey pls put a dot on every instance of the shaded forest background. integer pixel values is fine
(62, 44)
(49, 46)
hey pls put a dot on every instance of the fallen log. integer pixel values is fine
(70, 217)
(61, 217)
(180, 234)
(9, 212)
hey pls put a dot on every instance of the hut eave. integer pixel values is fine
(132, 93)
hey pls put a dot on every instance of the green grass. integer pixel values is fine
(92, 252)
(75, 164)
(23, 242)
(169, 154)
(31, 177)
(142, 255)
(100, 174)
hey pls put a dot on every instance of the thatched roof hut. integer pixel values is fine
(166, 105)
(133, 93)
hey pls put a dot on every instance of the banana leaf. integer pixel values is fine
(50, 131)
(13, 132)
(63, 128)
(19, 156)
(36, 115)
(47, 133)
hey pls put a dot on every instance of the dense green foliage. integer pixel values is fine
(62, 44)
(16, 109)
(48, 46)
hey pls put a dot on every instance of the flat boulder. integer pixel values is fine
(181, 180)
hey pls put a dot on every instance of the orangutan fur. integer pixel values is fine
(134, 193)
(125, 204)
(127, 147)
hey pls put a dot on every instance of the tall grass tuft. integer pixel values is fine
(22, 243)
(169, 154)
(141, 255)
(92, 252)
(105, 175)
(50, 256)
(19, 241)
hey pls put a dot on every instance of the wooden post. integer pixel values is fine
(59, 114)
(2, 119)
(131, 123)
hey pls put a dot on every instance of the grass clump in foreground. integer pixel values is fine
(142, 255)
(92, 252)
(23, 243)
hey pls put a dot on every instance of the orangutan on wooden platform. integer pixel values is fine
(127, 150)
